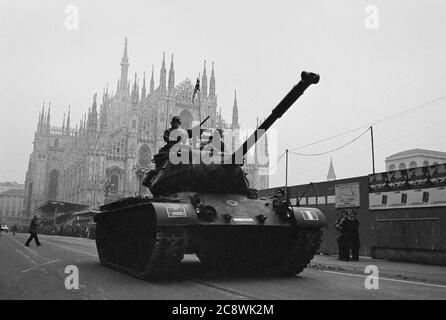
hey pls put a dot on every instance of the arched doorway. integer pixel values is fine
(186, 119)
(114, 183)
(144, 156)
(53, 184)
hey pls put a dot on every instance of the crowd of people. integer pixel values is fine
(347, 227)
(83, 229)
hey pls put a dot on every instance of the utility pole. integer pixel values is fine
(373, 149)
(286, 175)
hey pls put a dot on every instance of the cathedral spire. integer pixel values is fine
(162, 85)
(95, 103)
(152, 82)
(143, 90)
(48, 116)
(68, 119)
(171, 77)
(135, 93)
(204, 82)
(331, 173)
(212, 84)
(235, 124)
(124, 68)
(63, 123)
(103, 117)
(41, 117)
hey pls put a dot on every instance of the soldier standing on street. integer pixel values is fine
(354, 241)
(341, 239)
(35, 222)
(351, 233)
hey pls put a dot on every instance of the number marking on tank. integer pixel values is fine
(178, 212)
(244, 220)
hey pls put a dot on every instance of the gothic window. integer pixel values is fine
(425, 163)
(56, 143)
(392, 167)
(114, 183)
(402, 166)
(144, 156)
(412, 164)
(53, 186)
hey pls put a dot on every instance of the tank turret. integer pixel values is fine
(196, 170)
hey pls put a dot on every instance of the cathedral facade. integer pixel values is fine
(100, 157)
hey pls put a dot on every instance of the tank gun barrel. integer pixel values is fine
(307, 79)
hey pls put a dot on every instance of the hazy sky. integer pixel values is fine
(259, 48)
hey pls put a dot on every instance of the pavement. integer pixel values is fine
(39, 273)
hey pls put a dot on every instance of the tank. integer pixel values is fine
(210, 210)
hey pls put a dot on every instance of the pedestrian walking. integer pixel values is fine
(35, 222)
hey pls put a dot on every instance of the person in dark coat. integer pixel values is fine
(35, 222)
(351, 232)
(342, 247)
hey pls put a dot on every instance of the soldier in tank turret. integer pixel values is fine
(174, 134)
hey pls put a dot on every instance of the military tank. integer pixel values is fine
(209, 209)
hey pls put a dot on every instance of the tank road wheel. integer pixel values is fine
(303, 252)
(167, 253)
(216, 260)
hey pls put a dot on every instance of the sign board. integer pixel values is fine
(412, 188)
(347, 195)
(176, 212)
(428, 197)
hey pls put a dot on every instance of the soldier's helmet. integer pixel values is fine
(175, 119)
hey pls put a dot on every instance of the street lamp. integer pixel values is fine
(107, 186)
(139, 172)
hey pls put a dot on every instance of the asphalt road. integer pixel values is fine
(38, 273)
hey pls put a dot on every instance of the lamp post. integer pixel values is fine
(139, 172)
(107, 185)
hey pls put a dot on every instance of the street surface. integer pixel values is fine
(38, 273)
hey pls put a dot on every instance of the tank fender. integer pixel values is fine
(309, 217)
(174, 214)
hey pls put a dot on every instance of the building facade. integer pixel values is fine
(8, 185)
(413, 158)
(11, 207)
(119, 135)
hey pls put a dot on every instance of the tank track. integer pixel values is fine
(157, 259)
(275, 259)
(306, 247)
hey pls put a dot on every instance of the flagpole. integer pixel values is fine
(199, 107)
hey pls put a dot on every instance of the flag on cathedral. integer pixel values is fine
(196, 89)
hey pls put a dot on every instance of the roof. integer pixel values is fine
(331, 173)
(417, 152)
(11, 184)
(13, 192)
(51, 205)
